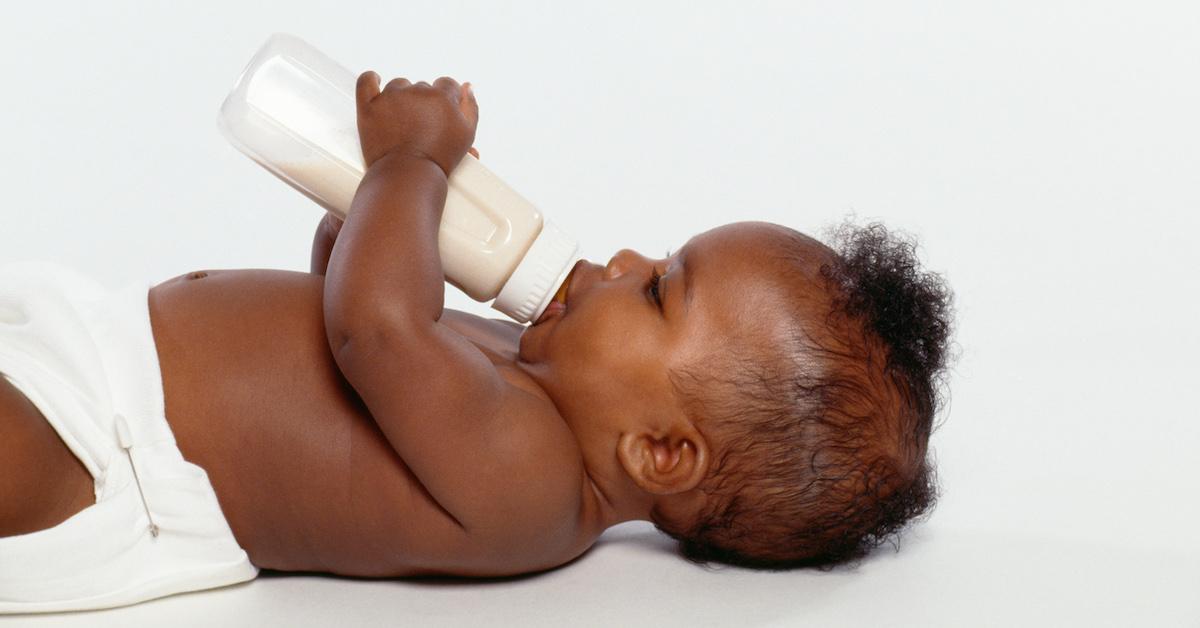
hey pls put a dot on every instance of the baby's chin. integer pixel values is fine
(542, 339)
(550, 336)
(533, 345)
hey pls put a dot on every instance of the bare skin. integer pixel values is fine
(373, 464)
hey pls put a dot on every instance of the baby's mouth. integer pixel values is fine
(558, 303)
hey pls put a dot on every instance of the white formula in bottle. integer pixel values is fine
(293, 112)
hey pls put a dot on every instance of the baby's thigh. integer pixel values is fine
(41, 482)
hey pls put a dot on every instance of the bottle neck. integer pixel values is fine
(539, 274)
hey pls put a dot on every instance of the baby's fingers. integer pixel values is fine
(448, 86)
(367, 87)
(467, 104)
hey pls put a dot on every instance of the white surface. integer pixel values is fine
(1045, 153)
(631, 578)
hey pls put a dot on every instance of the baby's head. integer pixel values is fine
(762, 398)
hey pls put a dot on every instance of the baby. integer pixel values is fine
(761, 397)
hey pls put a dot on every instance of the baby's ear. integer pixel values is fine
(665, 463)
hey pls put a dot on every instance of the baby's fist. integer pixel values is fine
(435, 122)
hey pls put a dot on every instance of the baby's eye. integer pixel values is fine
(654, 277)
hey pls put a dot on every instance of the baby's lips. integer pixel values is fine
(558, 303)
(561, 295)
(570, 284)
(552, 309)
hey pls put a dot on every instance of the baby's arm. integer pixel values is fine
(326, 234)
(508, 482)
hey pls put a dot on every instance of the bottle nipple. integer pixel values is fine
(561, 295)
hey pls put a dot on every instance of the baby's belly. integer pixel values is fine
(255, 398)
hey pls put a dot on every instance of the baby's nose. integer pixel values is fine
(620, 263)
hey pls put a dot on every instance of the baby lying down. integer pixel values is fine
(761, 397)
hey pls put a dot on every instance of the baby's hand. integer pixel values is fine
(435, 122)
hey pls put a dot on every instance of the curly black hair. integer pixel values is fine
(824, 437)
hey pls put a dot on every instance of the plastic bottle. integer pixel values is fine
(293, 112)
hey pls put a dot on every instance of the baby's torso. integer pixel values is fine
(254, 397)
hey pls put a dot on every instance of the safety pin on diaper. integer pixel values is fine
(125, 438)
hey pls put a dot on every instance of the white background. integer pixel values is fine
(1045, 154)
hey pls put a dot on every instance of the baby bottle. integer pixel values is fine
(293, 112)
